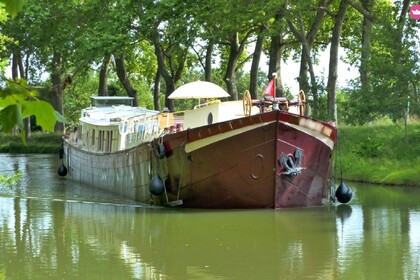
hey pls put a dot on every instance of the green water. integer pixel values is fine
(51, 228)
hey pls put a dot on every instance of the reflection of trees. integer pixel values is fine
(20, 250)
(386, 229)
(59, 240)
(413, 263)
(44, 243)
(31, 234)
(381, 248)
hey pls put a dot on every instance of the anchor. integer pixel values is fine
(291, 163)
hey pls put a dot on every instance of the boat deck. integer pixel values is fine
(212, 113)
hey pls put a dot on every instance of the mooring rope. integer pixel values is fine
(337, 158)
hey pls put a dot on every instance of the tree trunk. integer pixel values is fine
(156, 90)
(366, 47)
(17, 66)
(17, 71)
(57, 92)
(15, 74)
(26, 68)
(253, 83)
(303, 70)
(170, 87)
(208, 61)
(169, 81)
(236, 50)
(230, 75)
(22, 72)
(332, 70)
(274, 65)
(103, 74)
(404, 92)
(276, 53)
(123, 77)
(307, 40)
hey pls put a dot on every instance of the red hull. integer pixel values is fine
(237, 163)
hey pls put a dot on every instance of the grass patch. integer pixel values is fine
(37, 143)
(381, 153)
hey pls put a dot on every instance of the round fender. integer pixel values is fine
(343, 193)
(156, 186)
(62, 170)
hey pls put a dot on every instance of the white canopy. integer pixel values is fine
(198, 89)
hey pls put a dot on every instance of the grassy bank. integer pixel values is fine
(37, 143)
(380, 153)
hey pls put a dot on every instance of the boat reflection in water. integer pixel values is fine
(54, 239)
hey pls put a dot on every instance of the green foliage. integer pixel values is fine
(4, 39)
(77, 97)
(18, 102)
(369, 147)
(13, 6)
(84, 32)
(393, 69)
(39, 142)
(10, 180)
(380, 153)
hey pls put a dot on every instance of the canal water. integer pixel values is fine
(52, 228)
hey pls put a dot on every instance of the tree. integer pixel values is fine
(307, 40)
(236, 32)
(365, 56)
(52, 52)
(141, 44)
(388, 66)
(277, 47)
(17, 102)
(256, 58)
(332, 67)
(13, 6)
(103, 76)
(167, 26)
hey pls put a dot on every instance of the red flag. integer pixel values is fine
(270, 89)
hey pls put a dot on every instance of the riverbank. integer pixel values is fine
(379, 153)
(40, 143)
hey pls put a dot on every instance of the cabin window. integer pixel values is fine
(108, 141)
(101, 140)
(93, 137)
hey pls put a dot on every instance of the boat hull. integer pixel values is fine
(125, 173)
(269, 160)
(207, 169)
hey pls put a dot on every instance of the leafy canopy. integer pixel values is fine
(18, 102)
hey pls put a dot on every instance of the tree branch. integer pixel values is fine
(361, 10)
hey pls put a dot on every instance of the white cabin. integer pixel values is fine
(112, 124)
